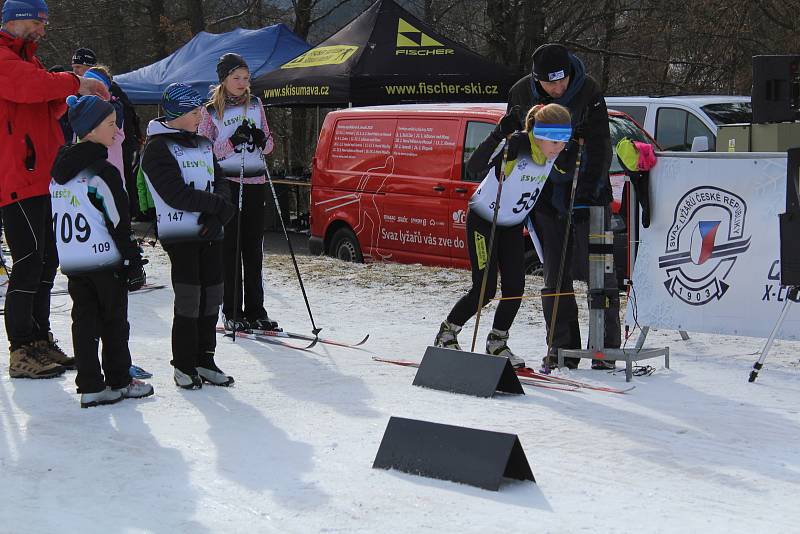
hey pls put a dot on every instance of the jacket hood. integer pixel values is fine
(576, 81)
(21, 47)
(73, 159)
(158, 126)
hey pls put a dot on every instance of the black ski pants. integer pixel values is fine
(100, 313)
(29, 234)
(508, 252)
(252, 254)
(551, 231)
(197, 283)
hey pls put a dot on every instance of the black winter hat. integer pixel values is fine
(229, 63)
(84, 56)
(550, 63)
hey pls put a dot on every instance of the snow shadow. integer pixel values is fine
(97, 469)
(312, 377)
(523, 494)
(254, 453)
(685, 429)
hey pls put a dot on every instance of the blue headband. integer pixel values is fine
(553, 132)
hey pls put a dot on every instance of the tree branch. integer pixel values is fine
(241, 14)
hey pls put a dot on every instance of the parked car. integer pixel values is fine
(679, 122)
(389, 182)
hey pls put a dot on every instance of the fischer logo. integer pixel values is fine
(703, 243)
(460, 217)
(414, 42)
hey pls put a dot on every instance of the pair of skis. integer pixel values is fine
(529, 377)
(278, 337)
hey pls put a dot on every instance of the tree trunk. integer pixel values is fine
(302, 18)
(156, 10)
(197, 20)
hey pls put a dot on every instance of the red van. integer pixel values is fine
(388, 183)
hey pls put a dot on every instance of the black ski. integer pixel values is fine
(272, 339)
(306, 337)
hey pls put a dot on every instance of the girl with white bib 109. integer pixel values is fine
(529, 160)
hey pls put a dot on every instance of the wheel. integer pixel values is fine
(344, 246)
(532, 264)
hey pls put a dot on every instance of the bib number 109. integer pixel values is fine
(68, 228)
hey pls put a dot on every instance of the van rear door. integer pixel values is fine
(415, 219)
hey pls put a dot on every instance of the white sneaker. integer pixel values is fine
(136, 390)
(497, 345)
(215, 377)
(107, 396)
(446, 338)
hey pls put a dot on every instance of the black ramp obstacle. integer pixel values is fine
(465, 372)
(476, 457)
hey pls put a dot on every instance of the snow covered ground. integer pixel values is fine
(290, 448)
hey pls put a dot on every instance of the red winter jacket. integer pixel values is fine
(31, 102)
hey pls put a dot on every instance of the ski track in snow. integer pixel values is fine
(290, 447)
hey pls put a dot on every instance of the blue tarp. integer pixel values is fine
(195, 63)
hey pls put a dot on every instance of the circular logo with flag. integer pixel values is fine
(705, 239)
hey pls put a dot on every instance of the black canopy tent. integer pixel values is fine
(385, 56)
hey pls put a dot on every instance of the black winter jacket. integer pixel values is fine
(586, 103)
(165, 174)
(73, 159)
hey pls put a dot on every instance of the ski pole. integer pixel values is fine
(791, 296)
(237, 260)
(314, 330)
(491, 246)
(564, 248)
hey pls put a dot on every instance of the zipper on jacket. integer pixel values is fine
(9, 128)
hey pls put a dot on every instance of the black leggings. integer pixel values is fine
(197, 282)
(29, 234)
(252, 241)
(509, 253)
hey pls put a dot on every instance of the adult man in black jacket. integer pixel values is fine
(559, 76)
(82, 60)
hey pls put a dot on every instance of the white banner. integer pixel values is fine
(709, 262)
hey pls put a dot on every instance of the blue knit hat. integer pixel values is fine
(179, 99)
(25, 10)
(87, 112)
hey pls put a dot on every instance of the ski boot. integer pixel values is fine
(497, 345)
(241, 325)
(446, 338)
(265, 323)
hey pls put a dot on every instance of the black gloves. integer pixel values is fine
(210, 226)
(242, 135)
(247, 133)
(135, 275)
(565, 162)
(580, 215)
(509, 123)
(518, 144)
(259, 137)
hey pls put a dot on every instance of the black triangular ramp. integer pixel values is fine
(517, 466)
(469, 373)
(471, 456)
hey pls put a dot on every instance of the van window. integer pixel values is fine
(637, 113)
(620, 127)
(675, 129)
(476, 133)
